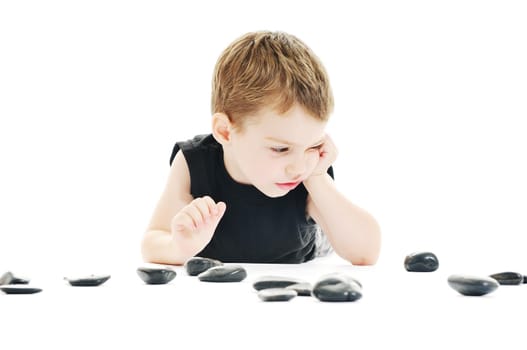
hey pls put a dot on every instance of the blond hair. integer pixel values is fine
(269, 69)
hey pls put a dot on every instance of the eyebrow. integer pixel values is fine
(290, 143)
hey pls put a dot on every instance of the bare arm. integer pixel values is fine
(354, 234)
(181, 226)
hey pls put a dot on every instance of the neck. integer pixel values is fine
(231, 165)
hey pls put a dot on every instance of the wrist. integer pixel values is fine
(316, 180)
(185, 248)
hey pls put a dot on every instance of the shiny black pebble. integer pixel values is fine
(338, 292)
(152, 275)
(421, 262)
(230, 273)
(90, 281)
(472, 285)
(303, 289)
(20, 289)
(508, 278)
(276, 294)
(9, 278)
(337, 287)
(334, 278)
(196, 265)
(266, 282)
(18, 280)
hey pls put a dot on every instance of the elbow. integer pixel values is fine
(367, 253)
(149, 253)
(372, 249)
(146, 251)
(360, 259)
(363, 261)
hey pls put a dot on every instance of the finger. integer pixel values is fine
(193, 211)
(329, 148)
(206, 206)
(212, 205)
(221, 207)
(182, 222)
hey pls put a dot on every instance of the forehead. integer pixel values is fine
(295, 126)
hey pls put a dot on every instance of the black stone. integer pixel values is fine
(9, 278)
(303, 289)
(266, 282)
(472, 285)
(338, 292)
(337, 287)
(12, 289)
(6, 278)
(152, 275)
(230, 273)
(89, 281)
(19, 280)
(276, 294)
(196, 265)
(508, 278)
(421, 262)
(334, 278)
(524, 279)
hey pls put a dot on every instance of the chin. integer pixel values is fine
(274, 194)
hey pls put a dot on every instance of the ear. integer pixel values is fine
(221, 128)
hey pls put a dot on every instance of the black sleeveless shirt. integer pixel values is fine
(254, 228)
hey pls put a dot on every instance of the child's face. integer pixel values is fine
(275, 153)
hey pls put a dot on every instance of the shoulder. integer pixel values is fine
(179, 175)
(197, 161)
(175, 195)
(199, 143)
(183, 161)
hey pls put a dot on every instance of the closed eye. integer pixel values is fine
(279, 149)
(317, 147)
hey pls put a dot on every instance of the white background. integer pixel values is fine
(429, 120)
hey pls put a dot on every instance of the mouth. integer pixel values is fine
(287, 185)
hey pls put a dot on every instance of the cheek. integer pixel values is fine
(312, 158)
(260, 165)
(268, 167)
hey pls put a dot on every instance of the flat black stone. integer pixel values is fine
(338, 292)
(276, 294)
(337, 287)
(508, 278)
(421, 262)
(334, 278)
(13, 289)
(153, 275)
(18, 280)
(303, 289)
(89, 281)
(6, 278)
(226, 273)
(472, 285)
(266, 282)
(196, 265)
(9, 278)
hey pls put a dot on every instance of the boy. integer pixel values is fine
(259, 188)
